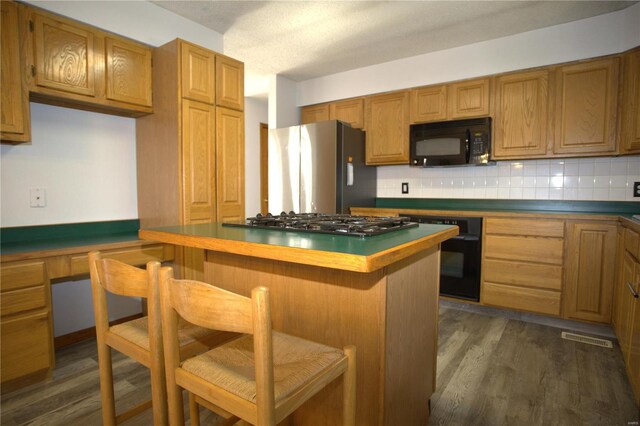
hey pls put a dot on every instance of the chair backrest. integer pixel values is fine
(118, 277)
(208, 306)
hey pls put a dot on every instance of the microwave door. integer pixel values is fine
(446, 149)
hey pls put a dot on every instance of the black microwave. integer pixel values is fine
(451, 143)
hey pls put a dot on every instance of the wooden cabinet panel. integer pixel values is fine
(17, 275)
(314, 113)
(350, 111)
(198, 73)
(230, 165)
(591, 248)
(586, 107)
(528, 249)
(27, 346)
(521, 115)
(632, 242)
(14, 98)
(624, 303)
(64, 56)
(468, 98)
(387, 124)
(633, 358)
(229, 83)
(428, 104)
(128, 72)
(198, 161)
(521, 298)
(523, 274)
(534, 228)
(26, 299)
(630, 135)
(136, 256)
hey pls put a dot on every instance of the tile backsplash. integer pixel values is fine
(596, 178)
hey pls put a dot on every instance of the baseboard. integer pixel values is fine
(86, 334)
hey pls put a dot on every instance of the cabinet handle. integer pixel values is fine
(635, 294)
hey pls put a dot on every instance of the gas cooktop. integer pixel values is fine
(344, 224)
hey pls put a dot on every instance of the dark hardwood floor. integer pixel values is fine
(492, 370)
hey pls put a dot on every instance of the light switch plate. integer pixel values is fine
(405, 187)
(38, 197)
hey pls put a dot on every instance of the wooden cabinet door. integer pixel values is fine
(520, 115)
(198, 162)
(633, 357)
(468, 99)
(198, 73)
(14, 98)
(128, 67)
(64, 56)
(630, 136)
(429, 104)
(590, 271)
(314, 113)
(229, 83)
(624, 303)
(586, 107)
(230, 165)
(350, 111)
(27, 345)
(387, 124)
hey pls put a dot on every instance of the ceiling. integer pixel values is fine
(306, 39)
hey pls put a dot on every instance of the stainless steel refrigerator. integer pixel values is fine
(319, 168)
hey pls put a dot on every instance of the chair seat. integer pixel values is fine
(232, 365)
(137, 331)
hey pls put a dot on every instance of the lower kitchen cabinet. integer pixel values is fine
(590, 270)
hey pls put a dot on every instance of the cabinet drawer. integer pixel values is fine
(133, 256)
(27, 299)
(528, 249)
(18, 275)
(631, 241)
(26, 346)
(534, 228)
(521, 298)
(523, 274)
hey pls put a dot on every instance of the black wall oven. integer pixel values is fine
(460, 256)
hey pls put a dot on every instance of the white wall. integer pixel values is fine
(597, 36)
(255, 112)
(87, 160)
(283, 111)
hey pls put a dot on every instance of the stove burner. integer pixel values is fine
(344, 224)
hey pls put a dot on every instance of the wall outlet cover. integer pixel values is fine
(37, 197)
(636, 189)
(405, 187)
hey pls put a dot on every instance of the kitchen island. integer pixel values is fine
(378, 293)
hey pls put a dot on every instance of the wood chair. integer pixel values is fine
(140, 339)
(261, 377)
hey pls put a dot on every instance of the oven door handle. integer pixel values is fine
(465, 238)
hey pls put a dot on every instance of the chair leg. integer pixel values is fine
(349, 392)
(106, 385)
(194, 410)
(159, 392)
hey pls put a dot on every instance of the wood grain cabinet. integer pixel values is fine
(521, 115)
(468, 98)
(590, 272)
(586, 107)
(428, 104)
(314, 113)
(522, 264)
(79, 66)
(25, 321)
(350, 111)
(630, 134)
(387, 124)
(229, 83)
(190, 152)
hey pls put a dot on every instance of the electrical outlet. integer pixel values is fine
(405, 187)
(636, 189)
(38, 197)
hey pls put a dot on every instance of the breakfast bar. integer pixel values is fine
(379, 293)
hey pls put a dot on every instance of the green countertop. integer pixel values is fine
(354, 245)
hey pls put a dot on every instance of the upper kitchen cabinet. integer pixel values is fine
(469, 98)
(586, 107)
(75, 65)
(314, 113)
(521, 115)
(128, 72)
(387, 124)
(428, 104)
(198, 73)
(350, 111)
(14, 97)
(230, 165)
(229, 83)
(630, 135)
